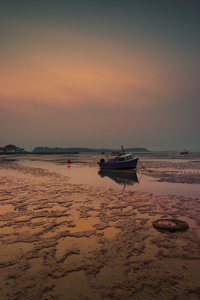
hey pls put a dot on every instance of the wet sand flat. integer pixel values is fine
(71, 241)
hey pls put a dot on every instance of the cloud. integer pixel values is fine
(62, 66)
(63, 84)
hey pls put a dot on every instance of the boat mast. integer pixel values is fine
(123, 149)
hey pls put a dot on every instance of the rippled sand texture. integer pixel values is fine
(66, 241)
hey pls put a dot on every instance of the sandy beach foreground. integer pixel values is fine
(71, 241)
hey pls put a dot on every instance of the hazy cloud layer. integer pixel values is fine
(90, 75)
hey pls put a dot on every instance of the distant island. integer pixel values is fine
(57, 150)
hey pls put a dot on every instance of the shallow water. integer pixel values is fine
(82, 174)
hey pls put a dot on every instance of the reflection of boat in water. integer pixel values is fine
(120, 176)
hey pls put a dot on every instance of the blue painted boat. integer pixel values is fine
(122, 161)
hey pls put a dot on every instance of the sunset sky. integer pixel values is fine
(100, 73)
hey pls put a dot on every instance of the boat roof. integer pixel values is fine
(124, 154)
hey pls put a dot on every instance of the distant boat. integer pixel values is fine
(185, 152)
(122, 161)
(115, 153)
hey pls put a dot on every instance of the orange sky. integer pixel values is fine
(93, 80)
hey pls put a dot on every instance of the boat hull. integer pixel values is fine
(119, 165)
(185, 152)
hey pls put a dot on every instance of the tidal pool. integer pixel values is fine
(129, 180)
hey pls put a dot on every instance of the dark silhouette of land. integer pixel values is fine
(47, 150)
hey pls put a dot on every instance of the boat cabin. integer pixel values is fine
(124, 157)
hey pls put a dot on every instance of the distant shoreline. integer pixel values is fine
(49, 150)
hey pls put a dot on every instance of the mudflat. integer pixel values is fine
(60, 240)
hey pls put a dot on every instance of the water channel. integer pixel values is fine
(82, 174)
